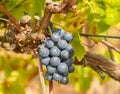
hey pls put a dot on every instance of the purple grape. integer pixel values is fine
(69, 61)
(71, 69)
(44, 52)
(62, 44)
(70, 50)
(62, 68)
(45, 61)
(55, 37)
(57, 77)
(41, 46)
(51, 69)
(67, 36)
(54, 51)
(54, 61)
(48, 76)
(65, 80)
(64, 54)
(49, 44)
(61, 32)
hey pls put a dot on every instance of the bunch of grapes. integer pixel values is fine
(56, 54)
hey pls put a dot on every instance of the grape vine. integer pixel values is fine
(88, 18)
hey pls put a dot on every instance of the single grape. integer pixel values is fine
(65, 80)
(57, 77)
(54, 51)
(62, 44)
(62, 68)
(49, 44)
(61, 32)
(70, 49)
(41, 46)
(54, 61)
(45, 61)
(64, 54)
(55, 37)
(48, 76)
(44, 52)
(71, 69)
(69, 61)
(67, 36)
(51, 69)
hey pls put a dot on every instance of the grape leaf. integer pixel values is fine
(112, 16)
(37, 6)
(79, 1)
(96, 9)
(113, 3)
(79, 49)
(102, 26)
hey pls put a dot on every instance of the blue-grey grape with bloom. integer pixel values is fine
(68, 36)
(54, 51)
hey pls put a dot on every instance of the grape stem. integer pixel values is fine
(110, 46)
(110, 51)
(12, 19)
(51, 90)
(42, 82)
(53, 8)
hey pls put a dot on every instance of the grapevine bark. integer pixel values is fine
(100, 64)
(42, 82)
(53, 8)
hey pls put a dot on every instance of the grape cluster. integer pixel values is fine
(55, 53)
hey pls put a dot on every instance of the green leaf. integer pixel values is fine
(37, 6)
(15, 88)
(96, 9)
(95, 13)
(79, 1)
(112, 16)
(113, 3)
(79, 49)
(83, 78)
(102, 27)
